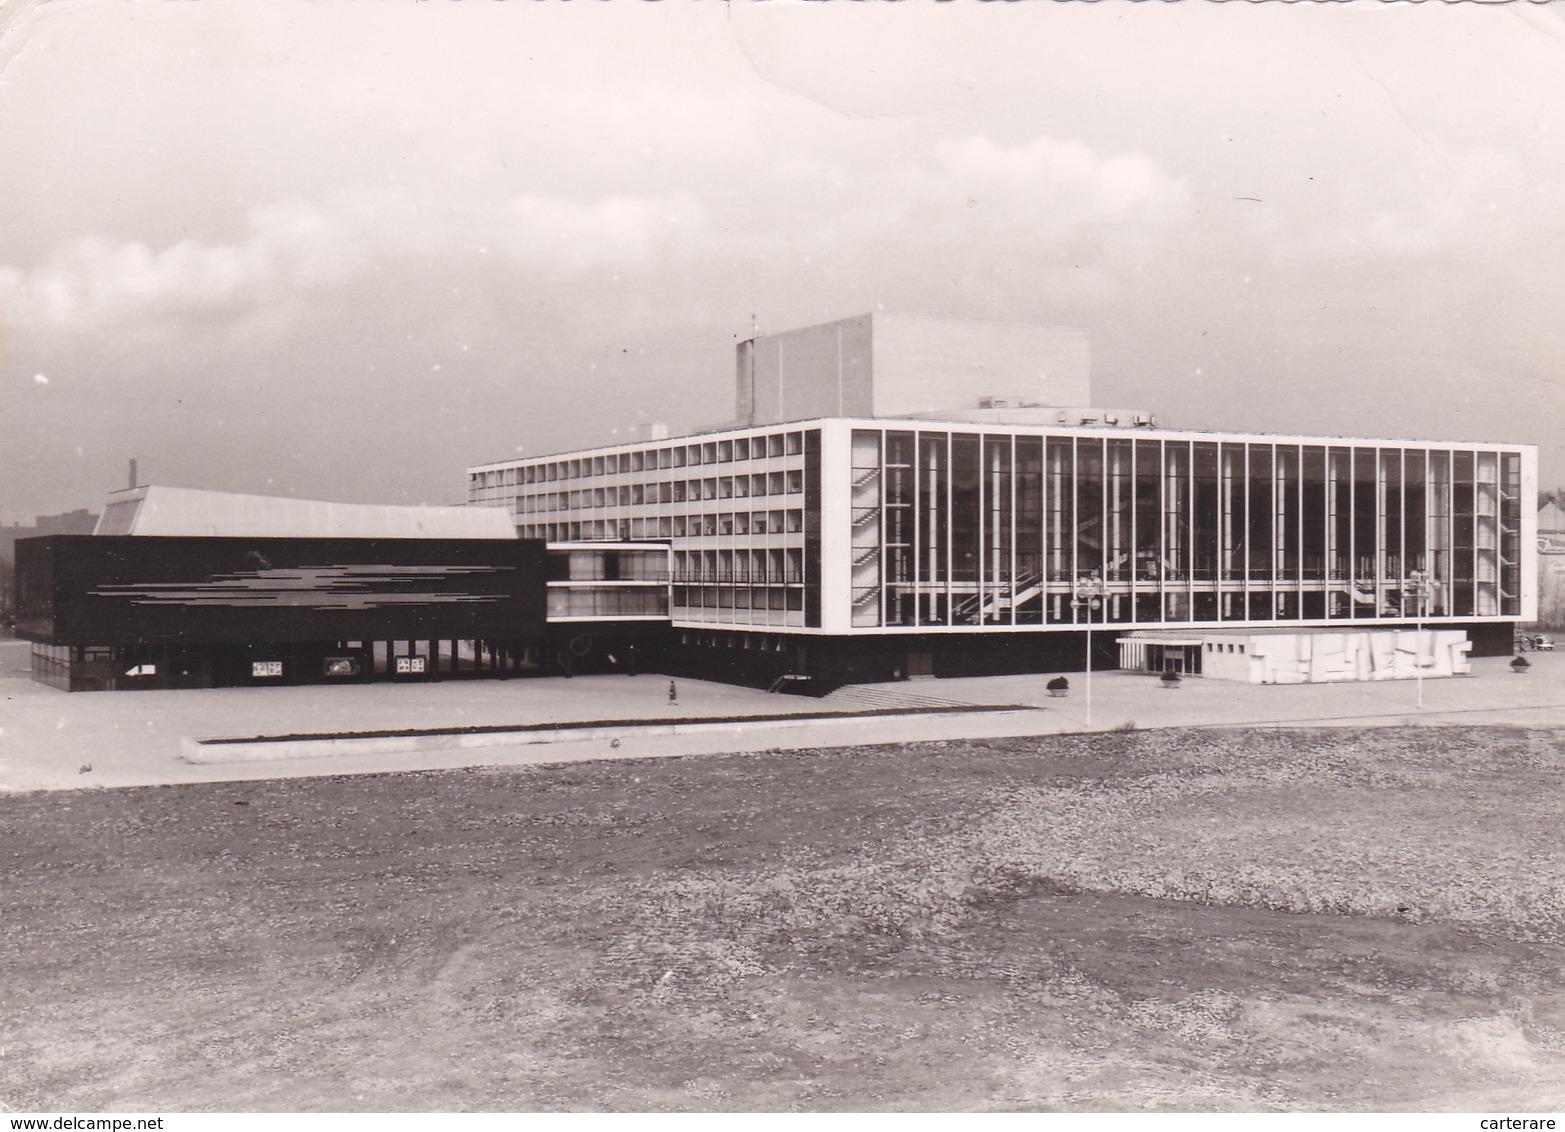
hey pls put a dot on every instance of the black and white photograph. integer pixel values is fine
(808, 557)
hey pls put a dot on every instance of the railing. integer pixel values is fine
(733, 577)
(976, 607)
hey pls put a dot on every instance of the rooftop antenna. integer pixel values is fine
(133, 484)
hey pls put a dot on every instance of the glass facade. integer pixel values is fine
(959, 529)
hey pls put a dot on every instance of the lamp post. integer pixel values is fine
(1088, 591)
(1417, 588)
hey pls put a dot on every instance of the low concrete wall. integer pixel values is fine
(266, 748)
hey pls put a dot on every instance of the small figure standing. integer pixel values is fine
(673, 693)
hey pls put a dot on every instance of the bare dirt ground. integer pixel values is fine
(1169, 920)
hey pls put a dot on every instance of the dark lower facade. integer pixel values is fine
(818, 665)
(123, 612)
(109, 613)
(123, 667)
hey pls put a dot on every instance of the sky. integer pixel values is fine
(343, 249)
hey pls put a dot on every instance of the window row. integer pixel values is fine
(644, 459)
(579, 565)
(668, 491)
(607, 603)
(717, 524)
(689, 598)
(746, 567)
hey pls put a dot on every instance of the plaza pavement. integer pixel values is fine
(52, 740)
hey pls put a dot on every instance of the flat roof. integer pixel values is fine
(182, 511)
(934, 423)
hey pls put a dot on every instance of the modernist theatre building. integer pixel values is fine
(906, 496)
(897, 497)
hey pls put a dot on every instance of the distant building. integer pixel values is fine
(79, 522)
(1551, 565)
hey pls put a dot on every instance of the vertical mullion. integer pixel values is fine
(1134, 542)
(1161, 543)
(983, 523)
(882, 557)
(1429, 541)
(1331, 529)
(950, 560)
(1401, 571)
(1248, 557)
(917, 532)
(1102, 526)
(1015, 481)
(1274, 523)
(1450, 524)
(1075, 526)
(1353, 530)
(1189, 517)
(1475, 537)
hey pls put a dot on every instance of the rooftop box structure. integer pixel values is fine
(879, 365)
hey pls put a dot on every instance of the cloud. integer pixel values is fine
(93, 283)
(1067, 182)
(1015, 209)
(292, 249)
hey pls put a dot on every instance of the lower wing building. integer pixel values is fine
(203, 589)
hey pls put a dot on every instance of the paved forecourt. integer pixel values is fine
(54, 740)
